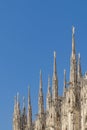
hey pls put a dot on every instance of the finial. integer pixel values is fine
(48, 80)
(64, 78)
(73, 30)
(79, 55)
(29, 100)
(54, 69)
(55, 54)
(17, 97)
(15, 100)
(40, 74)
(40, 79)
(73, 42)
(28, 90)
(64, 72)
(79, 58)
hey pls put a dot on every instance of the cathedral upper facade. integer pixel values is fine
(67, 112)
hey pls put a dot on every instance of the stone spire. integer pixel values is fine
(23, 116)
(24, 108)
(17, 114)
(73, 66)
(49, 97)
(79, 72)
(18, 105)
(40, 100)
(64, 83)
(29, 115)
(55, 81)
(55, 69)
(29, 98)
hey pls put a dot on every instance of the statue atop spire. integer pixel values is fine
(73, 42)
(55, 54)
(73, 30)
(55, 69)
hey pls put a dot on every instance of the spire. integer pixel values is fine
(24, 108)
(23, 116)
(40, 80)
(64, 83)
(29, 99)
(29, 115)
(73, 41)
(17, 97)
(73, 66)
(55, 69)
(18, 103)
(55, 82)
(17, 114)
(79, 73)
(49, 95)
(15, 100)
(40, 100)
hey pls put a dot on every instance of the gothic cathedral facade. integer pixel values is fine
(67, 112)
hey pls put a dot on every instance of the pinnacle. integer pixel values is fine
(54, 54)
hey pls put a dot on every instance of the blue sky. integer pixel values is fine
(30, 31)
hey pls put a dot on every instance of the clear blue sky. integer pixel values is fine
(30, 30)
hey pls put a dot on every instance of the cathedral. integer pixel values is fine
(67, 112)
